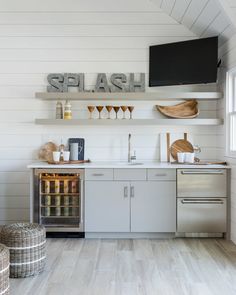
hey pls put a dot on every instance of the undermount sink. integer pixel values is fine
(130, 164)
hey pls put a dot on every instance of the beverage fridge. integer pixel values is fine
(57, 201)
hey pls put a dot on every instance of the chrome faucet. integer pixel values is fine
(129, 147)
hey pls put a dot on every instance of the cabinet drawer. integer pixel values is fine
(194, 183)
(130, 174)
(98, 174)
(161, 174)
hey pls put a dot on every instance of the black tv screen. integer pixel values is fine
(188, 62)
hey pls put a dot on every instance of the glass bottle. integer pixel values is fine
(67, 111)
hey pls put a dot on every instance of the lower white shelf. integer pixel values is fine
(107, 122)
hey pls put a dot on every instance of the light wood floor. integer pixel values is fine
(150, 267)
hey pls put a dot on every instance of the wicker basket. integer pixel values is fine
(4, 270)
(26, 243)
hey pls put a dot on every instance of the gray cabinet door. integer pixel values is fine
(107, 206)
(153, 206)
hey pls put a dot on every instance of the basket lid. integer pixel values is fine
(24, 229)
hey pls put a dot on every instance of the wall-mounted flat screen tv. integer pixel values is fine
(187, 62)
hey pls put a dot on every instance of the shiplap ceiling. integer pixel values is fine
(205, 18)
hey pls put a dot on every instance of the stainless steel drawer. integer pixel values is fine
(99, 174)
(161, 174)
(130, 174)
(201, 215)
(209, 183)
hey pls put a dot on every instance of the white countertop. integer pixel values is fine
(121, 164)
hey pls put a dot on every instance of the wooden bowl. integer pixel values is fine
(183, 110)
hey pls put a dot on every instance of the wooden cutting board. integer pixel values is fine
(181, 146)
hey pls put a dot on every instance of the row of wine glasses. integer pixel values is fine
(109, 109)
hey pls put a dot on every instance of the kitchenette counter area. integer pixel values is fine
(131, 200)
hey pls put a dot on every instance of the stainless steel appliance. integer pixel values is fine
(58, 199)
(201, 200)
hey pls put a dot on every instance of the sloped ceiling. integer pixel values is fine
(205, 18)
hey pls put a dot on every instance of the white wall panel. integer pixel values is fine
(167, 6)
(77, 5)
(14, 177)
(179, 9)
(82, 18)
(88, 42)
(206, 17)
(12, 202)
(94, 30)
(218, 26)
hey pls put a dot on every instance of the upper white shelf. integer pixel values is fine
(139, 96)
(119, 122)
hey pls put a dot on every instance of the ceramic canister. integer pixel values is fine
(74, 151)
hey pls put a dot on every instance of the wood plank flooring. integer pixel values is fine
(139, 267)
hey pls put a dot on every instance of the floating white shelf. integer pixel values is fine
(139, 96)
(119, 122)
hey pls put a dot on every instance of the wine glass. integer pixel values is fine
(116, 109)
(131, 108)
(99, 108)
(124, 109)
(91, 109)
(109, 108)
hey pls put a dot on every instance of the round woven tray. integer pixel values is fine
(4, 270)
(26, 243)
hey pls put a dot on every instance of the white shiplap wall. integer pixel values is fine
(228, 55)
(39, 37)
(205, 18)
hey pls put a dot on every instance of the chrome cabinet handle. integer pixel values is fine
(98, 174)
(206, 201)
(220, 172)
(161, 174)
(132, 192)
(126, 192)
